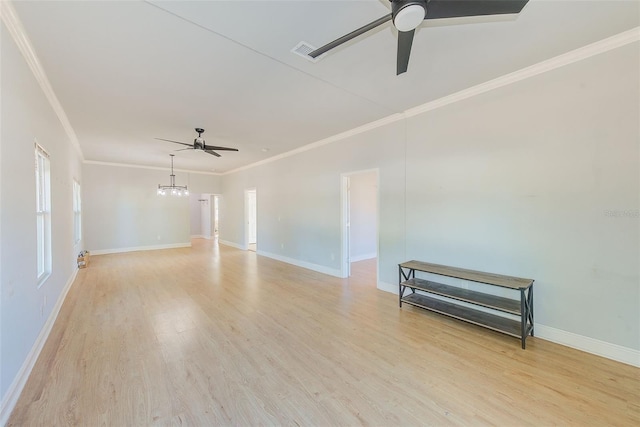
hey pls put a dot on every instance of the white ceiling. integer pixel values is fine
(128, 71)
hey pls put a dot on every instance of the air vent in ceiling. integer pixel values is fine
(303, 49)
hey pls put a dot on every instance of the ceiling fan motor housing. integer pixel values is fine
(408, 14)
(198, 143)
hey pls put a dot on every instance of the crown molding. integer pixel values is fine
(551, 64)
(158, 168)
(576, 55)
(338, 137)
(14, 26)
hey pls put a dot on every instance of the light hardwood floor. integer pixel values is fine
(218, 336)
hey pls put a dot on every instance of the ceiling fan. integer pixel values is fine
(199, 144)
(406, 15)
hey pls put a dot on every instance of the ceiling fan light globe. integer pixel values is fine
(409, 17)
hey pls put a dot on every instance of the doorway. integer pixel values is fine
(204, 211)
(203, 220)
(360, 221)
(205, 215)
(251, 219)
(216, 215)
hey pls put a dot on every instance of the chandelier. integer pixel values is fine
(173, 189)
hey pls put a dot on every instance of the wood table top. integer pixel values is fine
(471, 275)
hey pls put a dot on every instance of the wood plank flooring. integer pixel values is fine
(213, 335)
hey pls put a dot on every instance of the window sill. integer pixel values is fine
(43, 279)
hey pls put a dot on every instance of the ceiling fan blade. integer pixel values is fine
(177, 142)
(351, 35)
(213, 147)
(405, 40)
(182, 149)
(213, 153)
(437, 9)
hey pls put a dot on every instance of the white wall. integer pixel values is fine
(364, 217)
(521, 180)
(123, 212)
(299, 201)
(202, 182)
(27, 116)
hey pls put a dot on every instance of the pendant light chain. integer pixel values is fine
(173, 189)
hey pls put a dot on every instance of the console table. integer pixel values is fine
(422, 292)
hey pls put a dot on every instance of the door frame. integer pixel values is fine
(247, 217)
(345, 256)
(215, 215)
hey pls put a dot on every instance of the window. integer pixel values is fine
(43, 214)
(77, 212)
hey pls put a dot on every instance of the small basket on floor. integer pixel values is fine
(83, 259)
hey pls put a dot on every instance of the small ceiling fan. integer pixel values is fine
(406, 15)
(199, 144)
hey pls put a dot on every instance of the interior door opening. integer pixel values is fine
(360, 222)
(216, 215)
(251, 220)
(203, 219)
(205, 215)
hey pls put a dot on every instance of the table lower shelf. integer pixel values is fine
(493, 302)
(487, 320)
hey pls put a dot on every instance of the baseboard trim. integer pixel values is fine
(13, 393)
(140, 248)
(363, 257)
(611, 351)
(388, 287)
(232, 244)
(304, 264)
(605, 349)
(201, 236)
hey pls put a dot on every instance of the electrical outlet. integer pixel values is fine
(159, 237)
(333, 256)
(281, 245)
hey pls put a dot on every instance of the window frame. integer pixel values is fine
(43, 214)
(77, 212)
